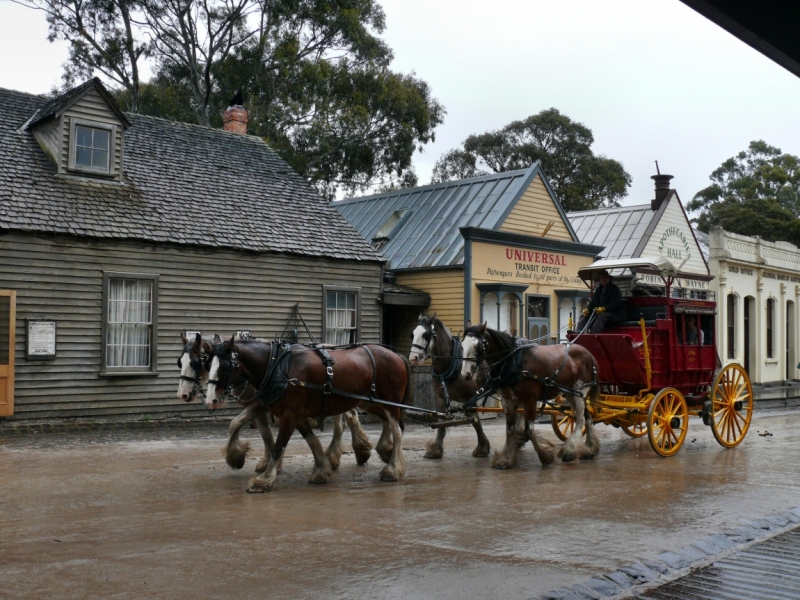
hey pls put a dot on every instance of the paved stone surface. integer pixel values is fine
(157, 514)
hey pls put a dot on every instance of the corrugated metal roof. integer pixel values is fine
(703, 240)
(428, 233)
(618, 229)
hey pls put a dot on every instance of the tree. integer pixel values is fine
(753, 193)
(103, 38)
(315, 73)
(581, 179)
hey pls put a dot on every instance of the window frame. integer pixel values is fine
(151, 370)
(73, 146)
(348, 290)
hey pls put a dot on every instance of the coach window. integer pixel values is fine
(130, 323)
(341, 316)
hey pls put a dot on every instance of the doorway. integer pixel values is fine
(8, 311)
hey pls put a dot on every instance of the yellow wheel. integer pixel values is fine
(666, 421)
(731, 405)
(635, 431)
(563, 425)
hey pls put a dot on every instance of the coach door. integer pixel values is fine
(8, 307)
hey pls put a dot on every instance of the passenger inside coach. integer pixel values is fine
(694, 335)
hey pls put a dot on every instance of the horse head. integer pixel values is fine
(192, 363)
(473, 350)
(224, 373)
(422, 337)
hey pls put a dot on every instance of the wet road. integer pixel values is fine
(162, 516)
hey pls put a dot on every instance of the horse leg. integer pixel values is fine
(322, 466)
(574, 447)
(435, 447)
(264, 483)
(385, 445)
(235, 451)
(395, 469)
(483, 447)
(360, 441)
(334, 451)
(521, 433)
(269, 443)
(507, 457)
(544, 449)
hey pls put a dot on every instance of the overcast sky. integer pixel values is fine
(652, 79)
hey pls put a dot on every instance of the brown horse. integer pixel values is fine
(431, 338)
(357, 373)
(543, 372)
(194, 377)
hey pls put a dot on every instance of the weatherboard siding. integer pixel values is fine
(61, 278)
(446, 288)
(534, 210)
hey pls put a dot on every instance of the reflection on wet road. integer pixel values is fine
(131, 516)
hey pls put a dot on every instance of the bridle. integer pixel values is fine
(226, 367)
(197, 364)
(429, 336)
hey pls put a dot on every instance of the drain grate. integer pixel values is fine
(769, 571)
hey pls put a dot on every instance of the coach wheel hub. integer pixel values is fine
(737, 406)
(675, 422)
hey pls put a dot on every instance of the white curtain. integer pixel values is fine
(490, 310)
(128, 329)
(509, 309)
(340, 318)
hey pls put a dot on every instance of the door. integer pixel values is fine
(8, 310)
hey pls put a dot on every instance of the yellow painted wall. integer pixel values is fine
(446, 288)
(543, 272)
(533, 211)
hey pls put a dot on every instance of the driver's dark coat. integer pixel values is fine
(610, 298)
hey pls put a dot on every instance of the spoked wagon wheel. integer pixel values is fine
(563, 423)
(666, 421)
(635, 431)
(731, 405)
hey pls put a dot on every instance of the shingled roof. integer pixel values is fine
(182, 183)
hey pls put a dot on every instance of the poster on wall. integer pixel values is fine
(41, 339)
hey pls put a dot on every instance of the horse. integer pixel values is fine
(445, 372)
(528, 375)
(194, 375)
(312, 390)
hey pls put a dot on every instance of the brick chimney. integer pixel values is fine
(235, 119)
(662, 190)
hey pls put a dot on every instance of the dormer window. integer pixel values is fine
(90, 146)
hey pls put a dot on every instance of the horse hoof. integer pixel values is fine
(481, 452)
(320, 477)
(362, 456)
(334, 460)
(567, 456)
(388, 475)
(262, 465)
(434, 454)
(385, 454)
(236, 462)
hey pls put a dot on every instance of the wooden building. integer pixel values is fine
(497, 248)
(119, 231)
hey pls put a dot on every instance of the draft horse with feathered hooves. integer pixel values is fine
(431, 338)
(194, 379)
(528, 374)
(298, 383)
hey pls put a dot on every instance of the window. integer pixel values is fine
(91, 147)
(341, 315)
(501, 306)
(730, 315)
(770, 328)
(130, 303)
(389, 225)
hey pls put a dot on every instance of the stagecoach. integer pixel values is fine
(656, 371)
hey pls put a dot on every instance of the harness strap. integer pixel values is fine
(451, 373)
(327, 361)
